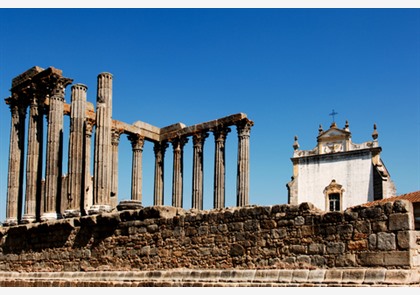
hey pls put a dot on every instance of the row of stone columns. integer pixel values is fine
(84, 195)
(220, 134)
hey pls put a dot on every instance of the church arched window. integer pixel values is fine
(334, 196)
(334, 202)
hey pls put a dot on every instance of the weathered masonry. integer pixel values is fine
(53, 196)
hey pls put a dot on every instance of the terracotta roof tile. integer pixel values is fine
(413, 197)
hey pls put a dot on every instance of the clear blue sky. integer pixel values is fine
(285, 68)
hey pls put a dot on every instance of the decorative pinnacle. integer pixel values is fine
(296, 144)
(320, 130)
(374, 133)
(347, 125)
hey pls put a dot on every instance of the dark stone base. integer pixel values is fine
(129, 205)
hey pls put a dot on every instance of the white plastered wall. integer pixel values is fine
(355, 174)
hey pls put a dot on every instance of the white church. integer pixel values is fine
(337, 173)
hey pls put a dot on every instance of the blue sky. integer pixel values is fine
(285, 68)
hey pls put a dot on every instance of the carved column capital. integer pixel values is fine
(137, 141)
(115, 136)
(14, 110)
(244, 127)
(29, 94)
(16, 105)
(220, 133)
(199, 138)
(160, 148)
(58, 88)
(179, 143)
(89, 127)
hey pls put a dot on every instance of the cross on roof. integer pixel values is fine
(333, 113)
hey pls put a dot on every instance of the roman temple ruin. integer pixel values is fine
(33, 197)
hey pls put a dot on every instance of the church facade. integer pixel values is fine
(337, 173)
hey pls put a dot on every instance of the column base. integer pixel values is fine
(129, 205)
(71, 213)
(97, 209)
(10, 222)
(27, 218)
(50, 216)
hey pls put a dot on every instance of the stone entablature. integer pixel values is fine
(58, 196)
(238, 238)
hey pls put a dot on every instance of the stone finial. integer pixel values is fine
(296, 144)
(374, 133)
(346, 127)
(320, 130)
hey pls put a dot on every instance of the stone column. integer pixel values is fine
(16, 154)
(137, 143)
(159, 150)
(34, 158)
(115, 140)
(197, 177)
(103, 156)
(87, 199)
(76, 164)
(219, 166)
(242, 184)
(53, 169)
(178, 171)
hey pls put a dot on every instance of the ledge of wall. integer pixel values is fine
(217, 278)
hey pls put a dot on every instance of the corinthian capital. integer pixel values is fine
(178, 143)
(58, 88)
(115, 136)
(199, 138)
(220, 133)
(89, 127)
(244, 127)
(137, 141)
(160, 148)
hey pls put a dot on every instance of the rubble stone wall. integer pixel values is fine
(162, 238)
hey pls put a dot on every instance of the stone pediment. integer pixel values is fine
(334, 134)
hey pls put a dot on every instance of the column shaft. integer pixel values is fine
(53, 169)
(87, 198)
(242, 186)
(34, 161)
(219, 166)
(115, 140)
(103, 157)
(178, 171)
(159, 150)
(15, 172)
(198, 184)
(137, 143)
(76, 164)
